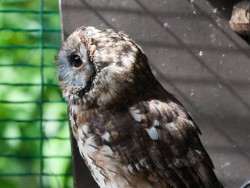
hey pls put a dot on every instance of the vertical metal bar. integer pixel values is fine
(41, 19)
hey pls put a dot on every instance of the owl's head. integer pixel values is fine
(98, 67)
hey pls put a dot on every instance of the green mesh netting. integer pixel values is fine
(34, 139)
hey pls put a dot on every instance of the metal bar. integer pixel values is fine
(27, 65)
(33, 138)
(30, 11)
(16, 47)
(34, 174)
(32, 120)
(29, 84)
(30, 102)
(42, 133)
(34, 156)
(30, 30)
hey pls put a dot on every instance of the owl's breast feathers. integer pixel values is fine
(154, 141)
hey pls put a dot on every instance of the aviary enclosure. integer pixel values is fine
(192, 50)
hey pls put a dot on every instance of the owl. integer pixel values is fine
(130, 131)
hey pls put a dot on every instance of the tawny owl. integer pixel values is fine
(130, 131)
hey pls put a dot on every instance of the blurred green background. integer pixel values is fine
(34, 135)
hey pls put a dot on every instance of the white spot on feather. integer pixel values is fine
(143, 161)
(156, 123)
(106, 136)
(134, 110)
(127, 62)
(85, 146)
(130, 168)
(152, 132)
(136, 114)
(90, 30)
(137, 117)
(85, 129)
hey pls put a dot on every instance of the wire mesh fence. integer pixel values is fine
(34, 139)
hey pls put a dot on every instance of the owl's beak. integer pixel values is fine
(88, 86)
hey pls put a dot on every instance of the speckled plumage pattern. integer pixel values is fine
(130, 131)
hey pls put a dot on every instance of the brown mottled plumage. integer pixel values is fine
(130, 131)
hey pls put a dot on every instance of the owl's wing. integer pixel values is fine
(164, 144)
(174, 146)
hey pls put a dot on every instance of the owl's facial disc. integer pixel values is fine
(77, 63)
(74, 69)
(89, 84)
(96, 66)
